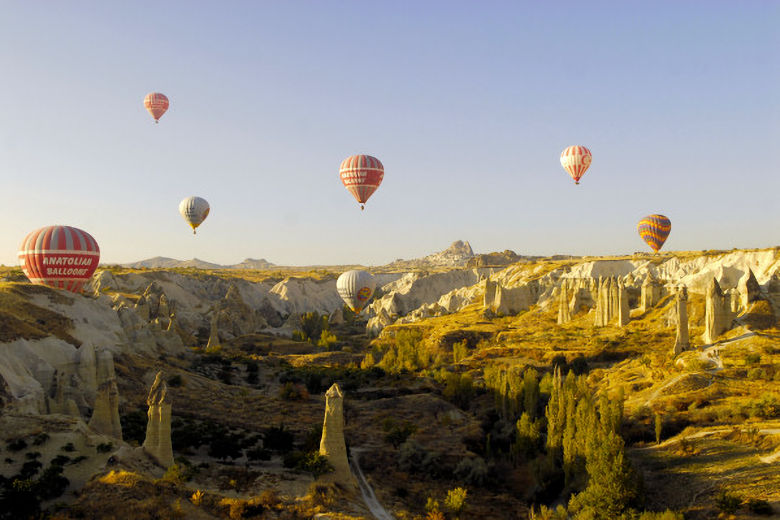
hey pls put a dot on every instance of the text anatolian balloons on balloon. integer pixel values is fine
(63, 257)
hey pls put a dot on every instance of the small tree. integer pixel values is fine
(456, 500)
(658, 428)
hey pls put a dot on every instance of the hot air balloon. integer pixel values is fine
(156, 104)
(576, 160)
(355, 288)
(63, 257)
(361, 175)
(654, 229)
(194, 210)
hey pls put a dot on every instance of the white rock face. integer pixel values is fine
(681, 341)
(105, 414)
(332, 444)
(158, 428)
(718, 315)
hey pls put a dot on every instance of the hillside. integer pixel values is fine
(450, 379)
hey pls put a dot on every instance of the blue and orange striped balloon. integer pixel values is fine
(654, 229)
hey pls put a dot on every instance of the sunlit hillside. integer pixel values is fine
(469, 392)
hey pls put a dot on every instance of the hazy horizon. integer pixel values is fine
(467, 105)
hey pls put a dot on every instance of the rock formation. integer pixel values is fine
(611, 303)
(507, 301)
(332, 444)
(652, 291)
(105, 413)
(214, 343)
(681, 341)
(749, 290)
(236, 318)
(717, 314)
(622, 304)
(336, 317)
(158, 428)
(564, 314)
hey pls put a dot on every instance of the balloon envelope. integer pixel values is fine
(355, 288)
(654, 229)
(59, 256)
(361, 175)
(576, 160)
(156, 104)
(194, 210)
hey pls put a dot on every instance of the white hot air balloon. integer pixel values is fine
(194, 210)
(355, 288)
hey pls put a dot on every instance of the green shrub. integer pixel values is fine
(40, 439)
(752, 359)
(16, 445)
(327, 340)
(727, 502)
(456, 500)
(765, 407)
(396, 432)
(760, 507)
(104, 447)
(68, 447)
(174, 475)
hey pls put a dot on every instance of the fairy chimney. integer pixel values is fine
(717, 314)
(681, 341)
(332, 444)
(158, 428)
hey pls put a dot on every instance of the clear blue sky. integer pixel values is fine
(468, 105)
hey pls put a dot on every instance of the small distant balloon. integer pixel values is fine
(654, 229)
(576, 160)
(361, 175)
(355, 287)
(194, 210)
(62, 257)
(156, 104)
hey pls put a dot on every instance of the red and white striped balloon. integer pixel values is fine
(361, 175)
(156, 104)
(63, 257)
(576, 160)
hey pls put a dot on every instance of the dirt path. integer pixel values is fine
(379, 512)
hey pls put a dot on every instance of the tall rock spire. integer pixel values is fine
(681, 341)
(158, 428)
(332, 444)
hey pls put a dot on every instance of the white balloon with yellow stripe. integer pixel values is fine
(194, 210)
(355, 288)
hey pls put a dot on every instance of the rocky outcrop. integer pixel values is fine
(105, 413)
(622, 304)
(457, 255)
(336, 317)
(564, 312)
(612, 303)
(652, 292)
(494, 259)
(507, 302)
(214, 343)
(236, 318)
(681, 341)
(749, 289)
(717, 313)
(158, 428)
(332, 444)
